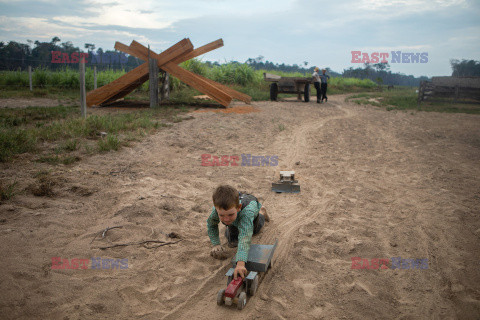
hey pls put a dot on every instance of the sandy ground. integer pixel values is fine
(375, 184)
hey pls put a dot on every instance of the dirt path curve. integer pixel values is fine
(374, 184)
(291, 147)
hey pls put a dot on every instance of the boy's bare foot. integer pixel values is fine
(265, 214)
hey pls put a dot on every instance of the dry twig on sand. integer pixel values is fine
(105, 232)
(162, 243)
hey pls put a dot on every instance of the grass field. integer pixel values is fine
(59, 135)
(405, 98)
(233, 73)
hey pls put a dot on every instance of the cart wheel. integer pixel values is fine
(253, 286)
(273, 91)
(220, 296)
(229, 279)
(306, 93)
(242, 301)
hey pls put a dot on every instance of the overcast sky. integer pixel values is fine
(323, 33)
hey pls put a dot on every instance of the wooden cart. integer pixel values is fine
(295, 85)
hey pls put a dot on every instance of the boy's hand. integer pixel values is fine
(218, 252)
(240, 270)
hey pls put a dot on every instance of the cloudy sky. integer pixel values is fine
(322, 33)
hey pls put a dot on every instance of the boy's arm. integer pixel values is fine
(245, 229)
(212, 227)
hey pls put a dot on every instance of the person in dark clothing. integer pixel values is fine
(316, 82)
(323, 87)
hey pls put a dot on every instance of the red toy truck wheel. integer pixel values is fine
(253, 286)
(220, 296)
(242, 301)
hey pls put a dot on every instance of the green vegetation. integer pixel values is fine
(60, 135)
(234, 74)
(8, 191)
(405, 98)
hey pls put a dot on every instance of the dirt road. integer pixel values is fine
(375, 184)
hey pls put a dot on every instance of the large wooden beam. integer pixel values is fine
(127, 90)
(181, 58)
(183, 75)
(197, 52)
(135, 78)
(117, 87)
(232, 92)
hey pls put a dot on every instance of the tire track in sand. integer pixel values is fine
(293, 147)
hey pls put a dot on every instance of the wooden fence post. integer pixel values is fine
(94, 77)
(165, 91)
(30, 77)
(153, 82)
(421, 89)
(83, 96)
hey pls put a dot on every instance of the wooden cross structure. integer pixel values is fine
(168, 61)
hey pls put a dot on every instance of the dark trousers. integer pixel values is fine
(324, 91)
(232, 232)
(317, 87)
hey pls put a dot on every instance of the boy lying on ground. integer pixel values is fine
(243, 215)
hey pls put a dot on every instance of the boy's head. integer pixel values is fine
(227, 203)
(316, 69)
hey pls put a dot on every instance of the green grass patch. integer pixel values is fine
(7, 191)
(241, 75)
(405, 98)
(110, 142)
(61, 132)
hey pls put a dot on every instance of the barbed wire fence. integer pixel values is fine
(67, 76)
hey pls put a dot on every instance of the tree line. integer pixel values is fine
(378, 72)
(15, 55)
(18, 56)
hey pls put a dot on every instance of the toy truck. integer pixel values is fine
(258, 262)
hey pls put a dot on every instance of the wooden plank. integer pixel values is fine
(183, 75)
(196, 82)
(83, 101)
(127, 90)
(463, 82)
(195, 53)
(178, 50)
(124, 48)
(207, 48)
(199, 51)
(135, 78)
(102, 94)
(271, 77)
(232, 92)
(153, 82)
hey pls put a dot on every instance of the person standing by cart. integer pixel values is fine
(316, 82)
(323, 77)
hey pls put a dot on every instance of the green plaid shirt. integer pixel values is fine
(244, 223)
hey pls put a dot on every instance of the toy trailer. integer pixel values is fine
(259, 261)
(295, 85)
(287, 183)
